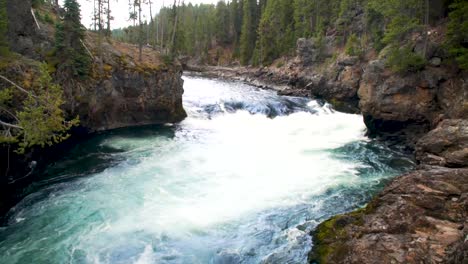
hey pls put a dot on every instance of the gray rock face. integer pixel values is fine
(131, 98)
(307, 51)
(447, 145)
(123, 93)
(21, 27)
(410, 104)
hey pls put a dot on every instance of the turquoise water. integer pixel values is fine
(243, 179)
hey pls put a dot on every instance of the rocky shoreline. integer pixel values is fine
(420, 217)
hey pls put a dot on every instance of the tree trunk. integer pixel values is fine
(140, 42)
(94, 15)
(108, 18)
(99, 26)
(426, 28)
(151, 25)
(162, 32)
(174, 29)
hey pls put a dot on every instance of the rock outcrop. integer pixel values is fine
(121, 91)
(410, 104)
(447, 145)
(126, 92)
(421, 217)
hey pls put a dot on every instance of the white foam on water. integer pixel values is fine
(212, 175)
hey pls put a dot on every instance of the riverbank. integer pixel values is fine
(420, 216)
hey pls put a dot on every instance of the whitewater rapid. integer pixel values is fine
(243, 179)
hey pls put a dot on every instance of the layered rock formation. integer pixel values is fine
(421, 217)
(122, 91)
(126, 92)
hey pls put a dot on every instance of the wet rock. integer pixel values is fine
(227, 257)
(414, 220)
(447, 145)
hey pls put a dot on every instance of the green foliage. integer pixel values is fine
(404, 59)
(303, 10)
(276, 31)
(353, 46)
(457, 33)
(37, 3)
(259, 31)
(4, 49)
(222, 23)
(69, 48)
(375, 24)
(248, 32)
(48, 19)
(42, 119)
(403, 17)
(37, 120)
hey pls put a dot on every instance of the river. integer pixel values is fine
(243, 179)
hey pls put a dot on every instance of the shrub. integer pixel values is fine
(353, 46)
(457, 33)
(404, 60)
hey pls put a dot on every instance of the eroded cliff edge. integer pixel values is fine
(121, 90)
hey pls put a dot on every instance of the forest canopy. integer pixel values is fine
(258, 32)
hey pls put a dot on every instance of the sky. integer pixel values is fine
(120, 10)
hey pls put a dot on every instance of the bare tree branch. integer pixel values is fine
(8, 112)
(17, 86)
(10, 125)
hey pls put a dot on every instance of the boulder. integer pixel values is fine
(447, 145)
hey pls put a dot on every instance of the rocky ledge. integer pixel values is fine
(125, 91)
(421, 217)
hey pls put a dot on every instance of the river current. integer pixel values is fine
(244, 179)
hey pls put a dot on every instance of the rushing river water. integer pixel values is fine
(243, 179)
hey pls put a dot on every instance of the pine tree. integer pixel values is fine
(404, 17)
(276, 31)
(4, 50)
(69, 42)
(457, 35)
(222, 23)
(248, 32)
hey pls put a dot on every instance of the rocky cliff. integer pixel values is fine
(122, 91)
(126, 92)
